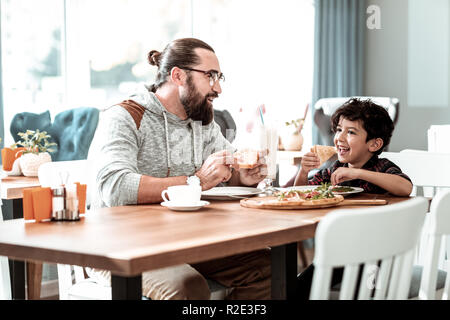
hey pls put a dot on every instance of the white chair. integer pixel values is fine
(439, 228)
(438, 138)
(75, 285)
(430, 174)
(427, 170)
(72, 283)
(329, 105)
(5, 284)
(384, 236)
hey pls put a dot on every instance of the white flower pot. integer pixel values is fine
(292, 142)
(30, 163)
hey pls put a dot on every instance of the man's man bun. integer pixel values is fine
(178, 53)
(153, 57)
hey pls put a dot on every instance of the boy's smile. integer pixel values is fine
(350, 142)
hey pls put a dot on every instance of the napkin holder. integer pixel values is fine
(38, 203)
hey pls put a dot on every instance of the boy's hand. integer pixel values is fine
(309, 161)
(344, 174)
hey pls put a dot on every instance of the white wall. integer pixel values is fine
(386, 74)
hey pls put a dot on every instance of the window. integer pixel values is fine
(108, 42)
(81, 53)
(94, 53)
(31, 57)
(265, 49)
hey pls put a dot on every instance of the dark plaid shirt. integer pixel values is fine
(374, 164)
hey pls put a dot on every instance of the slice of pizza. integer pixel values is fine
(323, 152)
(246, 159)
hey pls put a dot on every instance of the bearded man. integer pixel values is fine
(167, 136)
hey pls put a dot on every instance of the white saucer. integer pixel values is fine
(184, 207)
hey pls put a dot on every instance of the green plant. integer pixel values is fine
(296, 124)
(35, 142)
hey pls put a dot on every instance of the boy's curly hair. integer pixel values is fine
(374, 118)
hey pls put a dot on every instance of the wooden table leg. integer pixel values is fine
(34, 279)
(34, 269)
(126, 288)
(284, 271)
(17, 271)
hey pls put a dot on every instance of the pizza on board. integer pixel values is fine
(324, 152)
(308, 198)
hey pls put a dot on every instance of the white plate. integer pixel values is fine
(355, 190)
(230, 193)
(298, 188)
(184, 207)
(312, 187)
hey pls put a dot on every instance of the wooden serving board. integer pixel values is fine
(267, 203)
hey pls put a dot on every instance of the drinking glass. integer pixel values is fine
(268, 141)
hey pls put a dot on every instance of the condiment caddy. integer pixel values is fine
(64, 202)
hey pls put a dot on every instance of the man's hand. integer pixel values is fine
(250, 177)
(215, 169)
(344, 174)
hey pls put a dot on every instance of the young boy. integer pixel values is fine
(362, 129)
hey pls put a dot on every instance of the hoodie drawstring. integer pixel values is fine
(167, 143)
(197, 162)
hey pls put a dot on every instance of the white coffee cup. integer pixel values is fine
(183, 194)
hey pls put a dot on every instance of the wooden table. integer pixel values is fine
(132, 239)
(12, 194)
(12, 189)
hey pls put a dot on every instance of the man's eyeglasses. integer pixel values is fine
(213, 75)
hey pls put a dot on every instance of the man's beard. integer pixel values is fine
(197, 108)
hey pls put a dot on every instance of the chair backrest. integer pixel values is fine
(430, 174)
(72, 130)
(325, 107)
(439, 229)
(226, 123)
(429, 170)
(438, 138)
(382, 239)
(24, 121)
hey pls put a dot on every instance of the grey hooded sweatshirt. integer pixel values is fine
(140, 137)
